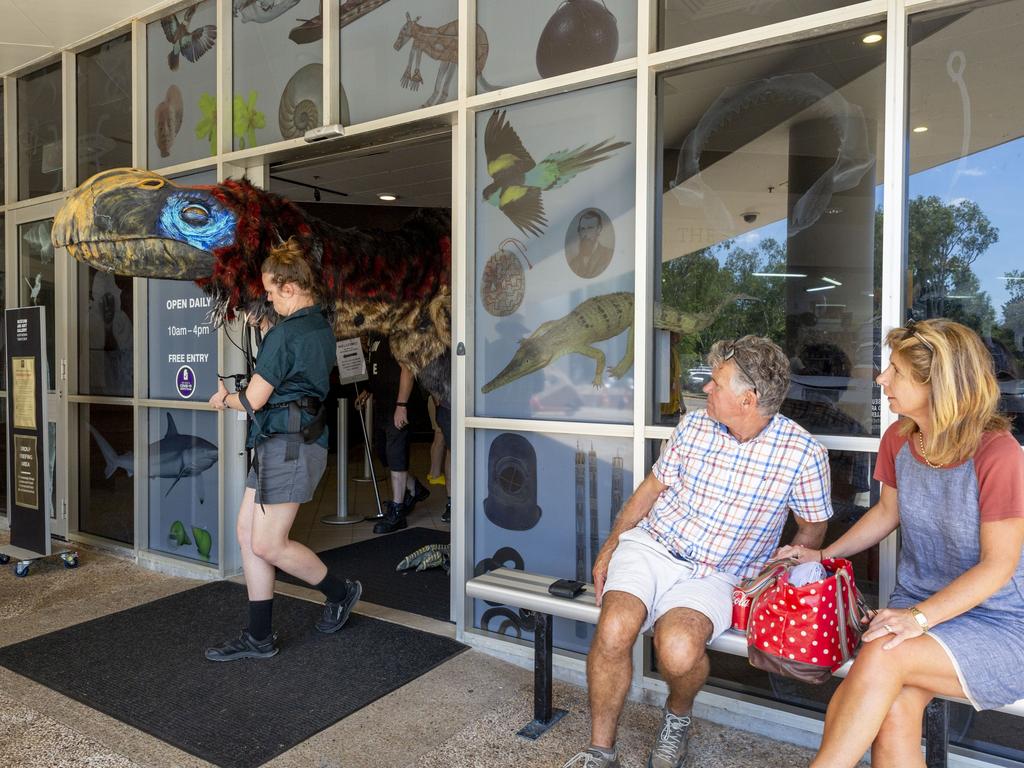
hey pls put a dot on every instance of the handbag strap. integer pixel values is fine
(848, 607)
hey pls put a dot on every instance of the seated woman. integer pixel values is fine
(953, 482)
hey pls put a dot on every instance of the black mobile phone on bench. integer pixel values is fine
(568, 588)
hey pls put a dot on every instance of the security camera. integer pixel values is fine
(750, 217)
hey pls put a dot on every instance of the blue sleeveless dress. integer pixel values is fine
(940, 527)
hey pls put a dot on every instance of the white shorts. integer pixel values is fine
(644, 568)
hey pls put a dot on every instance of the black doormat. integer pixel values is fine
(373, 563)
(145, 667)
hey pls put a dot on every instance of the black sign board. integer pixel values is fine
(28, 486)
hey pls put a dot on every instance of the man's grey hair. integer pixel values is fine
(763, 367)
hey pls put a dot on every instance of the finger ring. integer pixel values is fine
(889, 629)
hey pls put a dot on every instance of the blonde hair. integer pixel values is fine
(952, 360)
(287, 263)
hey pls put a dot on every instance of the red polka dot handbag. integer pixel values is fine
(806, 632)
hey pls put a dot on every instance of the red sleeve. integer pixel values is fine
(885, 464)
(999, 464)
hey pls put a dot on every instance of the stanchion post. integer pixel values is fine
(342, 517)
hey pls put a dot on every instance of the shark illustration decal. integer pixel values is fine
(175, 455)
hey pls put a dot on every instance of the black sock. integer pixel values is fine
(333, 587)
(260, 613)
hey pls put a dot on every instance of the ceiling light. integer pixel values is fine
(921, 129)
(871, 39)
(387, 197)
(777, 274)
(821, 288)
(830, 280)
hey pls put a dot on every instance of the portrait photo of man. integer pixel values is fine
(589, 242)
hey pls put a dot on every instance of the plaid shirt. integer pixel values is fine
(726, 501)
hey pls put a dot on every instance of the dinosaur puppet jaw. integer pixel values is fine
(137, 223)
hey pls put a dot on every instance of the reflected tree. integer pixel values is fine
(944, 241)
(702, 279)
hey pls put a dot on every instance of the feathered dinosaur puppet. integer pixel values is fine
(395, 283)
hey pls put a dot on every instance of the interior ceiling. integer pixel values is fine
(35, 28)
(418, 170)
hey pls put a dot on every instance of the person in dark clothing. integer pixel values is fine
(391, 385)
(285, 400)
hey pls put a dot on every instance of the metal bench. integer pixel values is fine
(529, 592)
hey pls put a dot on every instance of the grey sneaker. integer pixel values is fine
(669, 749)
(590, 758)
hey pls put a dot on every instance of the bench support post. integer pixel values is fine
(544, 716)
(936, 733)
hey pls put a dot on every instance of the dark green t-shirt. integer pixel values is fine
(296, 358)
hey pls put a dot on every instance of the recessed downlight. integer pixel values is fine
(871, 39)
(921, 129)
(387, 197)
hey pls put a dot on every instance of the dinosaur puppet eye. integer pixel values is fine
(195, 215)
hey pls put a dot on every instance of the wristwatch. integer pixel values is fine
(920, 619)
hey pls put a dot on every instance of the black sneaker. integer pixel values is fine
(446, 516)
(394, 518)
(412, 498)
(336, 614)
(245, 646)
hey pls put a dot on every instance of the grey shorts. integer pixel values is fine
(280, 481)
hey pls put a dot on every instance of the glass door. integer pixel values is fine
(40, 279)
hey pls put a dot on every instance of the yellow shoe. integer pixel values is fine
(435, 480)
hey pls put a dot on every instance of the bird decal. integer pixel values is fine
(518, 181)
(191, 45)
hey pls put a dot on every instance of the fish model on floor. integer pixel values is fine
(395, 283)
(518, 181)
(596, 319)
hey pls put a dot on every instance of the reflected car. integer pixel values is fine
(696, 378)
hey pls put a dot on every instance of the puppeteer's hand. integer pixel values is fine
(217, 400)
(600, 572)
(361, 398)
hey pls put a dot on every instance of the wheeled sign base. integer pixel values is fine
(24, 558)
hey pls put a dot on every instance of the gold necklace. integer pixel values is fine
(920, 442)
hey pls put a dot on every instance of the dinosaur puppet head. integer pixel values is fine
(138, 223)
(393, 282)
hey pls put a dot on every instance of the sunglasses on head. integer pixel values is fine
(731, 355)
(911, 330)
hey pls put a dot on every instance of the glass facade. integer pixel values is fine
(104, 80)
(527, 46)
(554, 305)
(36, 282)
(535, 520)
(40, 133)
(769, 167)
(963, 258)
(411, 48)
(106, 491)
(744, 195)
(681, 22)
(181, 86)
(278, 85)
(182, 458)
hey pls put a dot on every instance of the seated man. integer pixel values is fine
(710, 514)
